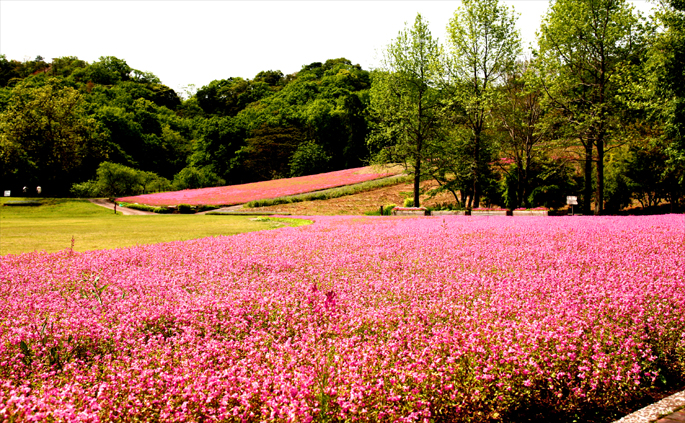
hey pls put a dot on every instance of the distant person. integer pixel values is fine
(38, 190)
(25, 189)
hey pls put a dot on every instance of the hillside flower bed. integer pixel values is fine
(239, 194)
(350, 319)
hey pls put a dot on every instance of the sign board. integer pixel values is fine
(572, 200)
(7, 193)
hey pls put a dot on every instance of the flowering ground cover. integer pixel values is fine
(351, 319)
(240, 194)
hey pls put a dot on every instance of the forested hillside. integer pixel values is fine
(60, 120)
(596, 111)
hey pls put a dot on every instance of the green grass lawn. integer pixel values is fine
(52, 225)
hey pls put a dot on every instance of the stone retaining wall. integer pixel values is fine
(409, 212)
(489, 213)
(449, 213)
(531, 213)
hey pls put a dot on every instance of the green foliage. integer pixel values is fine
(116, 180)
(619, 189)
(145, 207)
(231, 128)
(484, 45)
(219, 139)
(8, 70)
(108, 71)
(192, 178)
(185, 209)
(387, 211)
(268, 151)
(661, 87)
(526, 132)
(585, 48)
(323, 104)
(309, 159)
(651, 179)
(406, 102)
(47, 137)
(227, 97)
(550, 181)
(88, 189)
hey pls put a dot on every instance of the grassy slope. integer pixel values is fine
(50, 227)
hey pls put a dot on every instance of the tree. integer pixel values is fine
(584, 45)
(407, 103)
(47, 138)
(192, 178)
(109, 70)
(268, 151)
(115, 180)
(217, 143)
(8, 70)
(526, 130)
(665, 93)
(309, 158)
(227, 97)
(484, 44)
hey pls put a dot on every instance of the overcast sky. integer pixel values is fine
(196, 42)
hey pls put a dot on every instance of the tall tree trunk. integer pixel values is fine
(587, 190)
(476, 160)
(417, 180)
(464, 198)
(599, 202)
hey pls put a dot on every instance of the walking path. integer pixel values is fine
(124, 210)
(668, 410)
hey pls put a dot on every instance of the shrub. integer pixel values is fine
(114, 179)
(185, 209)
(88, 189)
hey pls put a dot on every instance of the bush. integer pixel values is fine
(145, 207)
(387, 211)
(408, 202)
(88, 189)
(446, 206)
(185, 209)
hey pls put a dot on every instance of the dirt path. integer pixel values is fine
(224, 209)
(124, 210)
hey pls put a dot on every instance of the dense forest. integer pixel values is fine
(596, 111)
(61, 120)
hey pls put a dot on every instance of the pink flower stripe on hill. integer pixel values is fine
(239, 194)
(349, 319)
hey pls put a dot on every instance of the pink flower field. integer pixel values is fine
(239, 194)
(351, 319)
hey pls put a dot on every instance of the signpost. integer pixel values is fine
(7, 193)
(572, 201)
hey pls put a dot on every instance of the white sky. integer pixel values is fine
(185, 42)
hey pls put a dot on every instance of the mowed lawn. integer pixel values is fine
(52, 225)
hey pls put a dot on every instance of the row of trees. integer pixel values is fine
(596, 111)
(602, 95)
